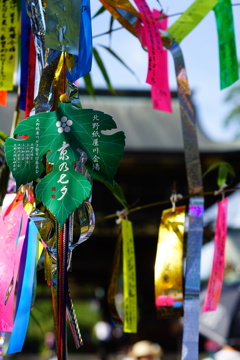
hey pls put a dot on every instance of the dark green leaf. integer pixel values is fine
(88, 84)
(36, 322)
(100, 11)
(117, 191)
(111, 29)
(224, 169)
(103, 70)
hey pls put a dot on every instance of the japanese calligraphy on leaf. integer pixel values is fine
(62, 134)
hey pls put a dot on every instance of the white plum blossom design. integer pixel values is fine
(64, 125)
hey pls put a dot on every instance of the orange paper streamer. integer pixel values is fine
(3, 97)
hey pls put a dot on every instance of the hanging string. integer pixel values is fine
(165, 202)
(121, 27)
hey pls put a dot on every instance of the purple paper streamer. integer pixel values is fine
(25, 44)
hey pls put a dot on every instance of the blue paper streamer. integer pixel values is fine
(83, 62)
(196, 208)
(192, 280)
(25, 43)
(25, 300)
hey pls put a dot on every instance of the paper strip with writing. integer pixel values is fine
(190, 19)
(129, 279)
(157, 75)
(226, 43)
(8, 42)
(214, 288)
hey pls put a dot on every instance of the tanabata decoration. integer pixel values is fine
(19, 235)
(8, 43)
(196, 207)
(57, 151)
(190, 19)
(60, 147)
(168, 264)
(150, 38)
(226, 43)
(3, 97)
(215, 283)
(64, 135)
(125, 244)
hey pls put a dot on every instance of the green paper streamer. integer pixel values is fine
(190, 19)
(226, 43)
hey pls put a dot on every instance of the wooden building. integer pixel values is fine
(152, 163)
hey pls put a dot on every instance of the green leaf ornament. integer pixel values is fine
(62, 134)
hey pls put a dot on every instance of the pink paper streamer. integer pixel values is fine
(13, 222)
(214, 288)
(149, 36)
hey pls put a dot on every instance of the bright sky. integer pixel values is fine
(200, 51)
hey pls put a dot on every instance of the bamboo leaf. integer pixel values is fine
(117, 191)
(111, 29)
(103, 70)
(99, 12)
(224, 170)
(89, 85)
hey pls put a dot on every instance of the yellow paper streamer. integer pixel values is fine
(168, 264)
(8, 43)
(129, 279)
(190, 19)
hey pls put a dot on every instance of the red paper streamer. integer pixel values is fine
(3, 97)
(214, 288)
(149, 36)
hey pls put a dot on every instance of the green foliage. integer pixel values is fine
(103, 70)
(224, 170)
(99, 61)
(89, 85)
(117, 191)
(99, 12)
